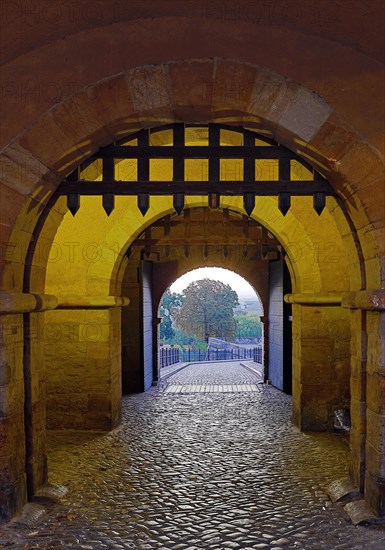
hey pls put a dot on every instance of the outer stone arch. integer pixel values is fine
(325, 139)
(153, 95)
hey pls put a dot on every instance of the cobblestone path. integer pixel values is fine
(228, 372)
(197, 471)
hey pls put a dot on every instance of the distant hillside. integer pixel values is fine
(247, 305)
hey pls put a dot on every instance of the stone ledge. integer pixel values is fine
(314, 298)
(18, 302)
(91, 302)
(373, 300)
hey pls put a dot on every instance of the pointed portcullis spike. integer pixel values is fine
(178, 202)
(143, 202)
(73, 203)
(108, 203)
(249, 203)
(284, 201)
(319, 202)
(214, 200)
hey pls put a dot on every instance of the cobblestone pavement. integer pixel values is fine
(197, 471)
(227, 372)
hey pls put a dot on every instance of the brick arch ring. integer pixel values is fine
(202, 91)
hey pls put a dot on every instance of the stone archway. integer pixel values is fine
(276, 115)
(266, 103)
(180, 243)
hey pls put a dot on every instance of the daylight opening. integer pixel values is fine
(211, 314)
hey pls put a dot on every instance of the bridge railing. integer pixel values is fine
(236, 350)
(169, 355)
(217, 354)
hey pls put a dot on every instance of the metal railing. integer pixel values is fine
(192, 355)
(168, 356)
(258, 355)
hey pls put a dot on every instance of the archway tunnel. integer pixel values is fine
(108, 273)
(67, 278)
(176, 244)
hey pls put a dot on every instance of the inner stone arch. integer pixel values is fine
(127, 241)
(185, 247)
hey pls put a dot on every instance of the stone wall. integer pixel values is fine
(83, 368)
(358, 350)
(35, 402)
(13, 487)
(321, 364)
(132, 370)
(375, 411)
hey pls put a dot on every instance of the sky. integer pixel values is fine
(237, 283)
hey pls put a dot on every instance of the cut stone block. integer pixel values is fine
(30, 515)
(342, 488)
(51, 492)
(360, 512)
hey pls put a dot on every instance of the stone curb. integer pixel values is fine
(166, 376)
(255, 371)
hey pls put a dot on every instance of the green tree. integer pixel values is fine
(171, 301)
(167, 332)
(184, 340)
(248, 326)
(207, 310)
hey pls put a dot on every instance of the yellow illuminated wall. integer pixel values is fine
(87, 259)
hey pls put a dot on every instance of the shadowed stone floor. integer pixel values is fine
(197, 471)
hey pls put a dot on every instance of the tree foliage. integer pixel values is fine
(184, 340)
(207, 310)
(171, 301)
(248, 326)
